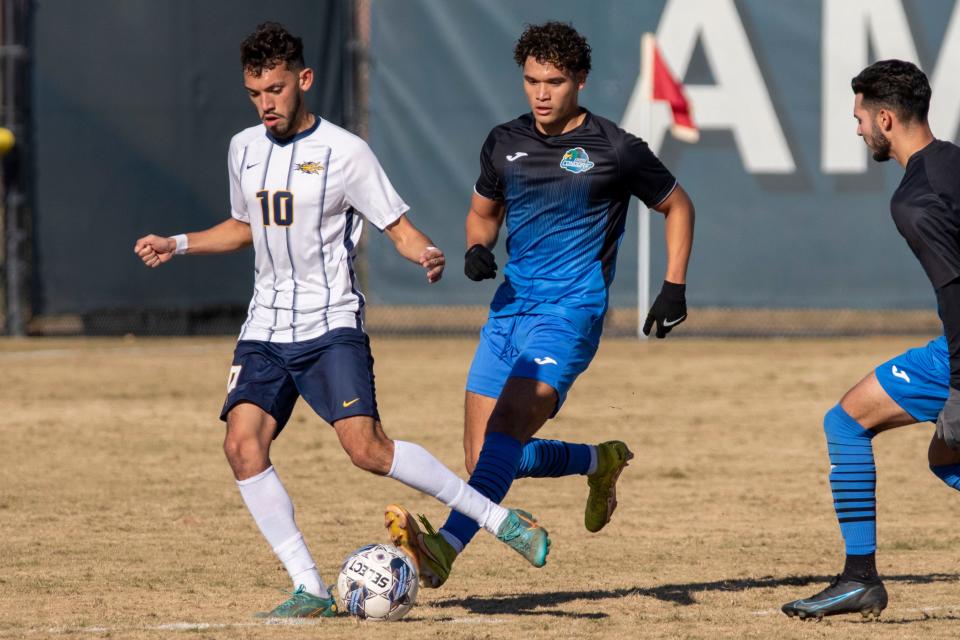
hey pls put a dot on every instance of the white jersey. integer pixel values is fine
(303, 199)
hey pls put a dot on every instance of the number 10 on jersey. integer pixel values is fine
(279, 207)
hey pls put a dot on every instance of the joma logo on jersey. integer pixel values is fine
(576, 161)
(310, 167)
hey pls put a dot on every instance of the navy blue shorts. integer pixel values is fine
(918, 379)
(333, 373)
(542, 347)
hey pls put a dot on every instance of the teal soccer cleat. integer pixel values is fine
(521, 533)
(301, 604)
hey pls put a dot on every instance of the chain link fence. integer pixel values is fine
(16, 227)
(466, 320)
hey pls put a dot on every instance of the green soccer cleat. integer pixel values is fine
(430, 552)
(521, 532)
(612, 457)
(301, 604)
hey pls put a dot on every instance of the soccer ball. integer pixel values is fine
(377, 582)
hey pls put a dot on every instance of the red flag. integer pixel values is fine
(664, 86)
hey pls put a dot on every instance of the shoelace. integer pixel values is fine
(515, 531)
(834, 582)
(520, 542)
(426, 525)
(294, 599)
(436, 557)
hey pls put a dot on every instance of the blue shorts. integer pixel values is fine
(333, 373)
(542, 347)
(919, 379)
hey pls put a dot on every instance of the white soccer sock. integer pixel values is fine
(272, 510)
(452, 540)
(416, 467)
(593, 459)
(303, 571)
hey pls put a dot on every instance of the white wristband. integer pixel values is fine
(181, 240)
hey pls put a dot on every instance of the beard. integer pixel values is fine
(880, 145)
(281, 129)
(284, 128)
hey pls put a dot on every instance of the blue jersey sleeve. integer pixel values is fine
(489, 185)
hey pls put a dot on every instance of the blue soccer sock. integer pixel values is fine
(853, 480)
(496, 468)
(949, 473)
(553, 458)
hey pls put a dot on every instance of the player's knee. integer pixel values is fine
(522, 408)
(506, 423)
(838, 424)
(242, 450)
(370, 454)
(232, 448)
(517, 422)
(510, 415)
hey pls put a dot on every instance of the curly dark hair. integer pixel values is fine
(555, 42)
(896, 85)
(270, 45)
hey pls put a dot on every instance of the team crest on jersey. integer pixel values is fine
(576, 161)
(312, 168)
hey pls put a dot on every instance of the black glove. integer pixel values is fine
(669, 310)
(479, 263)
(948, 422)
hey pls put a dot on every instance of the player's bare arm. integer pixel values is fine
(670, 307)
(413, 245)
(229, 235)
(679, 216)
(484, 220)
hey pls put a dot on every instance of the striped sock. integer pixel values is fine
(949, 473)
(853, 480)
(496, 468)
(553, 458)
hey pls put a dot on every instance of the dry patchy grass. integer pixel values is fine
(119, 517)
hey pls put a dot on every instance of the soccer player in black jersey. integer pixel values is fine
(560, 178)
(923, 384)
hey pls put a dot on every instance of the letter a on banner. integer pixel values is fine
(658, 84)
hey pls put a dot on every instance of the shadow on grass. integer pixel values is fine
(938, 618)
(681, 594)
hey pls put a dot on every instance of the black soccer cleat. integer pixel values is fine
(842, 596)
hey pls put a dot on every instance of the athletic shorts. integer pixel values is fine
(333, 373)
(919, 379)
(547, 348)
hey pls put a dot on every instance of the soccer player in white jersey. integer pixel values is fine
(300, 188)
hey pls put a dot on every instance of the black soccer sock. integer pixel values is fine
(862, 568)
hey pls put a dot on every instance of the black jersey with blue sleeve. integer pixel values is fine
(566, 199)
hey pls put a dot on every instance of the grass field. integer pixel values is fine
(119, 517)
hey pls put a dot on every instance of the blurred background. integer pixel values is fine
(122, 111)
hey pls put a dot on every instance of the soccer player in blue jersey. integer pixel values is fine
(560, 178)
(300, 189)
(891, 100)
